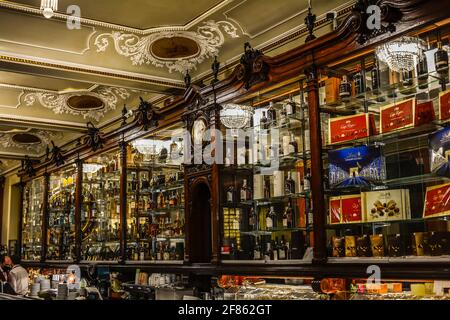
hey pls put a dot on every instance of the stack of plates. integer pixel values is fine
(35, 289)
(45, 284)
(63, 291)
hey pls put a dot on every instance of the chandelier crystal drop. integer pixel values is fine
(401, 54)
(49, 7)
(236, 116)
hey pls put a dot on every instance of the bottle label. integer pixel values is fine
(269, 223)
(282, 255)
(285, 222)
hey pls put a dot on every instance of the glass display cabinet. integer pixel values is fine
(155, 191)
(61, 215)
(33, 199)
(265, 187)
(100, 209)
(385, 152)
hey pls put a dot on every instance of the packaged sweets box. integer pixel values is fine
(386, 205)
(437, 201)
(348, 128)
(439, 145)
(345, 209)
(356, 167)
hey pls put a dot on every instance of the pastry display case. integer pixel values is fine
(384, 152)
(33, 199)
(61, 215)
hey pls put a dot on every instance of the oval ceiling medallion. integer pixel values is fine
(26, 138)
(172, 48)
(85, 102)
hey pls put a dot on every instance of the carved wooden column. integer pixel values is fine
(318, 203)
(44, 235)
(123, 201)
(78, 205)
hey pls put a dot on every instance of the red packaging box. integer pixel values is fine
(396, 116)
(444, 105)
(349, 128)
(335, 210)
(351, 209)
(437, 201)
(424, 113)
(346, 209)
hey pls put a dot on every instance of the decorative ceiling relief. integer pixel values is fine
(31, 140)
(89, 104)
(175, 50)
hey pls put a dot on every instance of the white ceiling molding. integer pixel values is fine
(102, 24)
(45, 137)
(209, 38)
(89, 69)
(69, 126)
(58, 103)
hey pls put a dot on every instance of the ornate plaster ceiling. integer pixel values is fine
(54, 79)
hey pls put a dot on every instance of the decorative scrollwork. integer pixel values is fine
(252, 68)
(94, 138)
(145, 115)
(27, 166)
(57, 156)
(7, 139)
(209, 38)
(58, 102)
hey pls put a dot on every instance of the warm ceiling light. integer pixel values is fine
(49, 7)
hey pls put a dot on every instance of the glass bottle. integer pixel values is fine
(293, 145)
(422, 72)
(345, 89)
(256, 250)
(275, 250)
(243, 192)
(441, 61)
(264, 121)
(282, 252)
(359, 83)
(252, 219)
(287, 216)
(307, 181)
(408, 82)
(272, 114)
(290, 107)
(230, 194)
(271, 219)
(289, 184)
(375, 75)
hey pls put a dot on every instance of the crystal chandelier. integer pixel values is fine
(49, 7)
(401, 54)
(235, 116)
(147, 147)
(91, 167)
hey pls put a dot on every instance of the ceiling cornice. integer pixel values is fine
(88, 69)
(112, 26)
